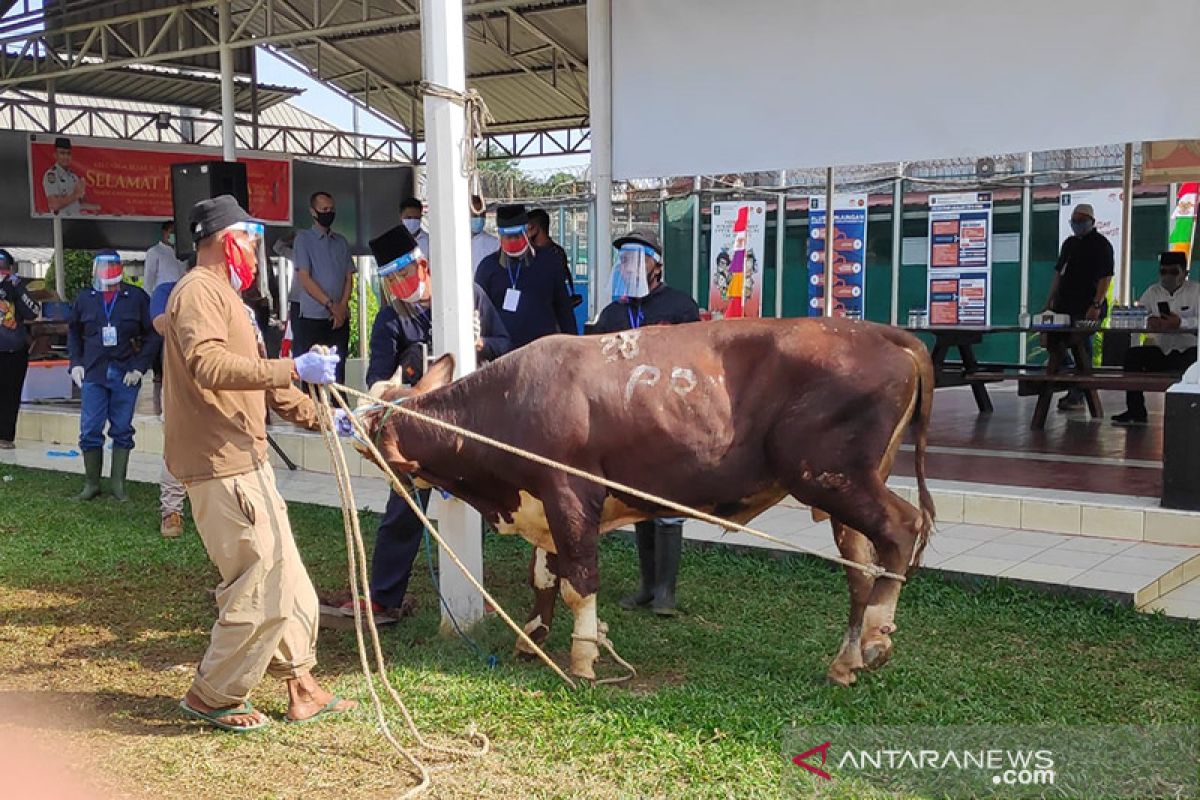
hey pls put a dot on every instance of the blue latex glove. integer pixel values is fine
(314, 367)
(341, 423)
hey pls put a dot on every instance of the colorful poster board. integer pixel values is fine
(849, 255)
(738, 240)
(1183, 219)
(104, 179)
(960, 259)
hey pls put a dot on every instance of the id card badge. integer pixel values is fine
(511, 298)
(108, 335)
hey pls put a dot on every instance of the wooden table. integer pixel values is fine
(977, 374)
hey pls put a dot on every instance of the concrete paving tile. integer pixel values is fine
(1088, 544)
(977, 565)
(1173, 607)
(1041, 573)
(1079, 559)
(1116, 582)
(1143, 567)
(1162, 552)
(1032, 539)
(981, 533)
(1015, 553)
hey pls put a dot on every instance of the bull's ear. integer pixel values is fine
(440, 373)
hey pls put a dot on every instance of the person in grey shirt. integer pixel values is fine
(325, 272)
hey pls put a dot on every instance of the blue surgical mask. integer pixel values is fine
(477, 224)
(413, 225)
(1082, 227)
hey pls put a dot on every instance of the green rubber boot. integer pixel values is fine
(120, 465)
(645, 547)
(93, 463)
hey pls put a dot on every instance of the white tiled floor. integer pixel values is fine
(1122, 568)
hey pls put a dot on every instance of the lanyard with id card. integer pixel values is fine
(108, 334)
(512, 295)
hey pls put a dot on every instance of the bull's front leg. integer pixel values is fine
(573, 513)
(543, 579)
(579, 593)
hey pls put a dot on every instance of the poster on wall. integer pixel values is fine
(739, 235)
(960, 259)
(1107, 204)
(103, 179)
(849, 255)
(1183, 219)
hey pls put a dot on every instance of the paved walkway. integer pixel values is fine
(1151, 576)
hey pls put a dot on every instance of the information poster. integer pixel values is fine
(739, 235)
(849, 255)
(1107, 204)
(960, 258)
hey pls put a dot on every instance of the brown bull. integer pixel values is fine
(727, 417)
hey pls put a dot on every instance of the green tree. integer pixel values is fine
(77, 264)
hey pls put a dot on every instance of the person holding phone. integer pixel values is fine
(1175, 306)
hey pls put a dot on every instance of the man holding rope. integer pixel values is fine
(216, 391)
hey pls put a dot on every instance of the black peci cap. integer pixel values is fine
(1172, 258)
(511, 216)
(215, 215)
(62, 143)
(392, 244)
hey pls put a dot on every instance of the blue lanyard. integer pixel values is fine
(108, 307)
(635, 322)
(512, 282)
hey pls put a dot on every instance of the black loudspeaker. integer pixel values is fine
(201, 180)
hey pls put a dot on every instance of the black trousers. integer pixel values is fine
(1153, 359)
(13, 367)
(307, 332)
(397, 543)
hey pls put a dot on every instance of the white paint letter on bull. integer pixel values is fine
(642, 373)
(683, 380)
(623, 345)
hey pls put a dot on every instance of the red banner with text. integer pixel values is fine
(114, 181)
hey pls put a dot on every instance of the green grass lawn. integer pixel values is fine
(96, 609)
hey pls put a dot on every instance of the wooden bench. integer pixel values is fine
(1090, 383)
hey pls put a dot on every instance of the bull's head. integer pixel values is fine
(381, 422)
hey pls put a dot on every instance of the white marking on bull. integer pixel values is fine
(533, 625)
(584, 647)
(683, 380)
(642, 373)
(543, 578)
(622, 345)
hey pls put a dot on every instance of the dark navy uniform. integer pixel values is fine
(663, 306)
(544, 307)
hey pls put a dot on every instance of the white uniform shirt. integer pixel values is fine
(1185, 303)
(59, 182)
(483, 244)
(422, 238)
(162, 266)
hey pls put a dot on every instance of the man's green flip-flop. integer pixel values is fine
(329, 710)
(216, 718)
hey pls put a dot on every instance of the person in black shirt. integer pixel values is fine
(640, 297)
(1082, 276)
(539, 236)
(524, 283)
(400, 338)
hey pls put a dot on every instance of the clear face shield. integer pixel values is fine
(107, 272)
(404, 281)
(514, 241)
(629, 278)
(245, 255)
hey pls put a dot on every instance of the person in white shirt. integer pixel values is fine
(161, 264)
(1174, 303)
(483, 244)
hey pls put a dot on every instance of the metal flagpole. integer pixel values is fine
(897, 239)
(696, 238)
(442, 51)
(1126, 228)
(1026, 241)
(828, 241)
(780, 237)
(599, 33)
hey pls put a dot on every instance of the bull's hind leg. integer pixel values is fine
(895, 539)
(573, 512)
(543, 579)
(856, 547)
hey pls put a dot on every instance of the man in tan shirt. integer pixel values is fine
(216, 392)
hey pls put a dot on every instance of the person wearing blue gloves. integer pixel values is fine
(217, 388)
(112, 346)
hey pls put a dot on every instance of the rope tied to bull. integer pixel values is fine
(871, 570)
(476, 117)
(357, 569)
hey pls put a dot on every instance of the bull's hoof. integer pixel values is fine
(841, 675)
(525, 655)
(584, 655)
(877, 652)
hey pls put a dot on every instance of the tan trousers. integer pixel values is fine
(268, 609)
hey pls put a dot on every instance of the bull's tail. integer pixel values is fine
(920, 420)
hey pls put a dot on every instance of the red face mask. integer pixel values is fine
(241, 263)
(514, 245)
(409, 289)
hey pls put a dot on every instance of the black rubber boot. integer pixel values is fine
(668, 545)
(645, 545)
(120, 465)
(93, 463)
